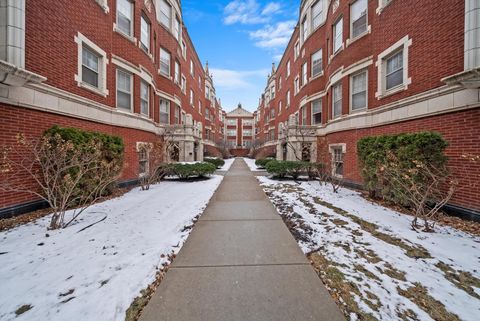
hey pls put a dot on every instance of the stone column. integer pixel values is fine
(472, 34)
(12, 32)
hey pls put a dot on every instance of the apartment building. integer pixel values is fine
(122, 67)
(239, 131)
(361, 68)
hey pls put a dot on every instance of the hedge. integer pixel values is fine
(281, 169)
(426, 147)
(111, 147)
(215, 161)
(262, 162)
(186, 171)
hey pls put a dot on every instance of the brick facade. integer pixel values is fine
(438, 90)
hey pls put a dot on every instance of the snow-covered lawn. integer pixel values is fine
(374, 263)
(95, 274)
(227, 165)
(251, 164)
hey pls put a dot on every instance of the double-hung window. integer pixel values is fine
(144, 98)
(165, 13)
(164, 62)
(337, 100)
(176, 28)
(164, 111)
(317, 112)
(142, 161)
(145, 34)
(125, 17)
(90, 67)
(288, 99)
(337, 160)
(359, 91)
(177, 115)
(358, 14)
(304, 115)
(288, 69)
(177, 72)
(338, 35)
(304, 74)
(191, 97)
(317, 64)
(394, 74)
(304, 28)
(124, 90)
(192, 68)
(317, 12)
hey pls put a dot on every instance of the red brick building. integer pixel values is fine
(360, 68)
(239, 131)
(123, 67)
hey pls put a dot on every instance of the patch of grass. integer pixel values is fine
(461, 279)
(372, 301)
(24, 308)
(408, 315)
(414, 251)
(339, 222)
(392, 272)
(344, 246)
(367, 273)
(368, 255)
(341, 290)
(418, 294)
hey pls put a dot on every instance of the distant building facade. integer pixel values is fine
(361, 68)
(239, 131)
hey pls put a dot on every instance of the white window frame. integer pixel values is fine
(312, 113)
(296, 84)
(288, 99)
(336, 36)
(143, 148)
(145, 46)
(339, 147)
(304, 73)
(317, 54)
(335, 100)
(177, 78)
(319, 15)
(165, 15)
(82, 41)
(160, 111)
(192, 98)
(184, 84)
(305, 28)
(381, 64)
(352, 37)
(131, 18)
(296, 49)
(382, 4)
(176, 28)
(192, 68)
(163, 62)
(288, 68)
(364, 71)
(117, 89)
(144, 83)
(184, 49)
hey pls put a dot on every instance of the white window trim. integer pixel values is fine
(104, 5)
(339, 83)
(381, 65)
(169, 75)
(312, 122)
(382, 4)
(160, 111)
(322, 16)
(350, 94)
(81, 40)
(312, 76)
(148, 99)
(304, 75)
(296, 54)
(132, 27)
(350, 40)
(331, 148)
(131, 90)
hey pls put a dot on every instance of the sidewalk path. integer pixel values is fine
(241, 263)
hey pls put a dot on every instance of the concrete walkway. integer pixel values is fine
(241, 263)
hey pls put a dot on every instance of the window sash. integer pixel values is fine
(359, 91)
(144, 98)
(394, 70)
(337, 100)
(176, 28)
(177, 72)
(317, 63)
(90, 67)
(145, 34)
(304, 74)
(124, 16)
(338, 35)
(305, 28)
(317, 11)
(304, 115)
(164, 62)
(164, 111)
(359, 17)
(165, 13)
(124, 90)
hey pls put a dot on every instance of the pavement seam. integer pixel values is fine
(239, 265)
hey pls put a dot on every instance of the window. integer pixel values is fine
(288, 98)
(247, 143)
(177, 115)
(232, 132)
(145, 34)
(359, 90)
(279, 107)
(207, 112)
(184, 84)
(125, 17)
(304, 28)
(317, 14)
(192, 68)
(394, 75)
(184, 49)
(358, 17)
(142, 161)
(191, 97)
(296, 85)
(317, 112)
(338, 35)
(304, 74)
(124, 90)
(144, 98)
(304, 115)
(272, 113)
(164, 111)
(317, 63)
(247, 122)
(164, 62)
(176, 28)
(232, 122)
(165, 13)
(272, 90)
(296, 50)
(288, 68)
(177, 72)
(337, 100)
(90, 67)
(279, 83)
(337, 160)
(247, 132)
